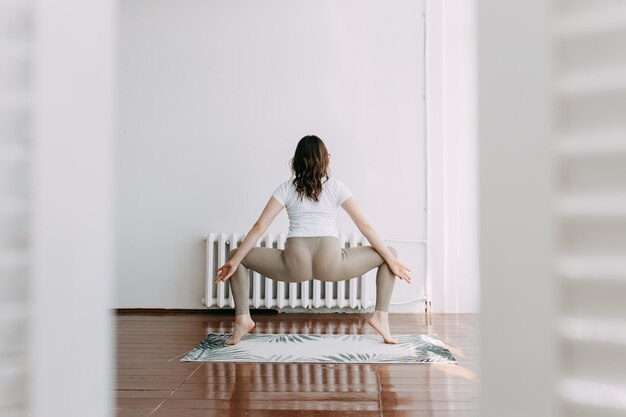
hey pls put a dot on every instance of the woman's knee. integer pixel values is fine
(231, 253)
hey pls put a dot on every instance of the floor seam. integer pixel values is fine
(175, 389)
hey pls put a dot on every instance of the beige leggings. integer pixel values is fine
(305, 258)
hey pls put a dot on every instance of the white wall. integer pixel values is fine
(213, 99)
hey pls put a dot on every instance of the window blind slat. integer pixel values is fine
(593, 299)
(607, 365)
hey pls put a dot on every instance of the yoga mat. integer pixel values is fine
(321, 348)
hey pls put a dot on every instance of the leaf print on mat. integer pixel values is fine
(286, 338)
(361, 357)
(427, 346)
(213, 348)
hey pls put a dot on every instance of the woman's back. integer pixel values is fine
(314, 251)
(313, 218)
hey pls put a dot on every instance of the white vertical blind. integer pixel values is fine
(71, 333)
(590, 53)
(516, 164)
(15, 110)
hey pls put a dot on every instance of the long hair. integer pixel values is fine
(309, 165)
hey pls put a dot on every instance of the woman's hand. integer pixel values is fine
(225, 271)
(400, 270)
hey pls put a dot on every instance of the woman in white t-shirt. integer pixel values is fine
(312, 250)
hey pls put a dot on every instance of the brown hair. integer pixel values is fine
(309, 165)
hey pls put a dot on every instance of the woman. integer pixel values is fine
(312, 246)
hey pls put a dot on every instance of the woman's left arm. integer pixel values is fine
(269, 213)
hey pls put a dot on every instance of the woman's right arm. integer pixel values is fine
(364, 226)
(272, 208)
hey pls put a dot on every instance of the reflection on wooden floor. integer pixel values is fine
(151, 380)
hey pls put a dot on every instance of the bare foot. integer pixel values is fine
(380, 323)
(243, 324)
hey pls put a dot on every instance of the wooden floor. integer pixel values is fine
(151, 381)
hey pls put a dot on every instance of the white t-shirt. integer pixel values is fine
(313, 218)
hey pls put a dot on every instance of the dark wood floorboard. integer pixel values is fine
(151, 381)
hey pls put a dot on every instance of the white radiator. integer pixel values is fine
(356, 294)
